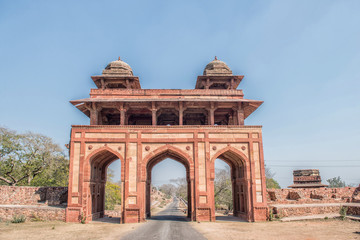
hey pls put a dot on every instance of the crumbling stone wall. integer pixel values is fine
(21, 195)
(313, 195)
(39, 203)
(32, 212)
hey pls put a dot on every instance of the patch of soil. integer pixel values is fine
(299, 230)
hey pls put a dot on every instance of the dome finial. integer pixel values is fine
(215, 58)
(119, 59)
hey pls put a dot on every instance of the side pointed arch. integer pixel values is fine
(106, 155)
(233, 157)
(234, 151)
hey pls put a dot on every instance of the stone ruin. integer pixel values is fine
(307, 178)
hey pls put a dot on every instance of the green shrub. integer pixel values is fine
(36, 218)
(343, 212)
(271, 214)
(83, 218)
(18, 219)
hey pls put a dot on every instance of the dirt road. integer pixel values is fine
(168, 224)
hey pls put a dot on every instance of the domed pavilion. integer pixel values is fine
(142, 127)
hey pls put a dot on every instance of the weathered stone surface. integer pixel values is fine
(32, 212)
(42, 203)
(313, 201)
(21, 195)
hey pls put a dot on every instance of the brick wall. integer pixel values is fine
(41, 203)
(313, 195)
(32, 212)
(21, 195)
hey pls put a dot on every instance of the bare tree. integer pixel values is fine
(223, 188)
(169, 189)
(181, 187)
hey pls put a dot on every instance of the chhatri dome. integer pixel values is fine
(119, 68)
(217, 68)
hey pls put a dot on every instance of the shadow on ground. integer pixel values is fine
(115, 220)
(229, 219)
(169, 218)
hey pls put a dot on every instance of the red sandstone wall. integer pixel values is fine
(32, 212)
(313, 195)
(35, 203)
(21, 195)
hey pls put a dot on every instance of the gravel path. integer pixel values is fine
(170, 223)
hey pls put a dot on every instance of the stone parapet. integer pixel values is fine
(166, 92)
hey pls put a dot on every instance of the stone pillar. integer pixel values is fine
(181, 112)
(153, 112)
(212, 113)
(94, 114)
(122, 114)
(232, 84)
(128, 86)
(240, 114)
(207, 84)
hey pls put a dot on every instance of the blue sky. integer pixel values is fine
(301, 57)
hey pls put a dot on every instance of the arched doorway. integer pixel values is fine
(174, 154)
(223, 189)
(239, 184)
(99, 163)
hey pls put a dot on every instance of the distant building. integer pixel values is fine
(307, 178)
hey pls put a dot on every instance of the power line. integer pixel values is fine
(312, 161)
(311, 166)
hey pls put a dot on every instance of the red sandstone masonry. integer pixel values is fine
(44, 213)
(45, 203)
(313, 195)
(313, 201)
(22, 195)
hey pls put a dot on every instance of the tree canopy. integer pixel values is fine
(336, 182)
(112, 191)
(31, 159)
(270, 181)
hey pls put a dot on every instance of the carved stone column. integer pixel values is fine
(181, 112)
(122, 114)
(212, 113)
(153, 112)
(94, 113)
(240, 114)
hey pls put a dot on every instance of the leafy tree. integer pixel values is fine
(112, 191)
(270, 181)
(31, 159)
(336, 182)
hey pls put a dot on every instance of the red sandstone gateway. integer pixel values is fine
(142, 127)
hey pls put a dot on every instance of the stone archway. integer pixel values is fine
(176, 154)
(95, 180)
(239, 175)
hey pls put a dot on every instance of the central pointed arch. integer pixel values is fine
(160, 154)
